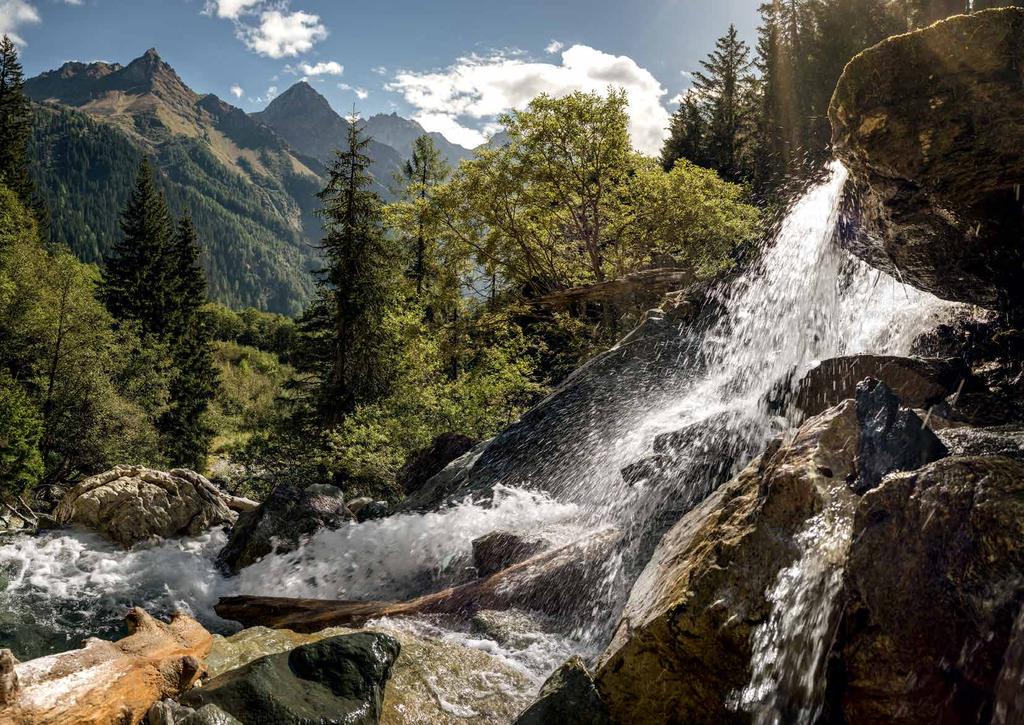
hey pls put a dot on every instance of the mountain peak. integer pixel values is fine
(301, 98)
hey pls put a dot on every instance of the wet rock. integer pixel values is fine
(133, 504)
(8, 678)
(969, 441)
(568, 697)
(499, 550)
(426, 463)
(373, 511)
(336, 680)
(918, 383)
(683, 644)
(929, 123)
(169, 712)
(432, 682)
(509, 628)
(355, 505)
(935, 579)
(891, 437)
(280, 523)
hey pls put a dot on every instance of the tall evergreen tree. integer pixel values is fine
(686, 138)
(154, 279)
(720, 89)
(15, 124)
(359, 287)
(139, 276)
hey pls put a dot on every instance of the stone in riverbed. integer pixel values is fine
(569, 697)
(432, 682)
(280, 523)
(336, 680)
(499, 550)
(133, 504)
(426, 463)
(169, 712)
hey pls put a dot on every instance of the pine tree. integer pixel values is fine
(184, 429)
(358, 288)
(15, 124)
(719, 88)
(138, 278)
(419, 176)
(154, 279)
(686, 138)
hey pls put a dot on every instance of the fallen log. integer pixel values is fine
(105, 683)
(553, 583)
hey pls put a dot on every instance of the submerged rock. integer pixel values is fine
(133, 504)
(936, 580)
(281, 522)
(569, 697)
(499, 550)
(336, 680)
(169, 712)
(931, 126)
(432, 682)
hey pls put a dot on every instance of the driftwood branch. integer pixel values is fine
(552, 583)
(105, 683)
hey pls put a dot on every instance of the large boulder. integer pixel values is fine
(936, 580)
(683, 644)
(433, 682)
(133, 504)
(424, 464)
(931, 126)
(919, 383)
(281, 522)
(339, 680)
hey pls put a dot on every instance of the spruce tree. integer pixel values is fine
(139, 276)
(424, 171)
(686, 138)
(15, 124)
(720, 89)
(359, 287)
(153, 279)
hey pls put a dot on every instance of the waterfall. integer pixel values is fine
(805, 300)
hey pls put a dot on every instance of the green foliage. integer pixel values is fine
(264, 331)
(97, 391)
(21, 427)
(248, 401)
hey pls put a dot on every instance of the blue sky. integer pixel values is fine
(451, 64)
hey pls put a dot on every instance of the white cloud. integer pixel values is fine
(266, 97)
(361, 93)
(230, 8)
(72, 2)
(330, 68)
(14, 13)
(381, 70)
(236, 91)
(282, 33)
(461, 100)
(554, 46)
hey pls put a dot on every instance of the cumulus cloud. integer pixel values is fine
(13, 14)
(236, 91)
(282, 33)
(361, 93)
(266, 97)
(230, 8)
(330, 68)
(554, 46)
(463, 100)
(381, 70)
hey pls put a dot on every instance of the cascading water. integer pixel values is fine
(804, 301)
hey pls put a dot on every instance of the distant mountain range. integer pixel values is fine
(248, 180)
